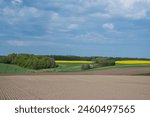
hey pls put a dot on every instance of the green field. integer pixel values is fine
(7, 68)
(119, 66)
(63, 67)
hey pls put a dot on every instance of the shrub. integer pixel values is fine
(4, 59)
(104, 62)
(87, 66)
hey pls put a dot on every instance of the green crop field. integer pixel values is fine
(7, 68)
(62, 67)
(119, 66)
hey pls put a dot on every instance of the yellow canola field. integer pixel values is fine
(68, 61)
(128, 62)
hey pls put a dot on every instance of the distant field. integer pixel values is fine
(63, 67)
(72, 61)
(133, 62)
(119, 66)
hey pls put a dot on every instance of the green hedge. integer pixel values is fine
(29, 61)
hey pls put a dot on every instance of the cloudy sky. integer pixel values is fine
(76, 27)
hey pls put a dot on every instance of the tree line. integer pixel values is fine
(69, 57)
(89, 58)
(29, 61)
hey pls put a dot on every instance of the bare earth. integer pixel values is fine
(74, 87)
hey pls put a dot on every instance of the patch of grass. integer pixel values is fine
(65, 67)
(118, 66)
(73, 62)
(7, 68)
(76, 67)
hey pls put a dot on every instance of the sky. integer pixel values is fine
(116, 28)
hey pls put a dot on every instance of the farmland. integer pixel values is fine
(133, 62)
(60, 87)
(68, 61)
(28, 63)
(63, 67)
(75, 68)
(6, 68)
(69, 81)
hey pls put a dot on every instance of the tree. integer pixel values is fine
(104, 61)
(85, 66)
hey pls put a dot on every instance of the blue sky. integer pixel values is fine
(76, 27)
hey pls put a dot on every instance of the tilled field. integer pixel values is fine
(74, 87)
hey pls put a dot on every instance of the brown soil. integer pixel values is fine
(74, 87)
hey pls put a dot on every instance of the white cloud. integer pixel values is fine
(74, 8)
(17, 2)
(8, 12)
(132, 9)
(59, 23)
(72, 26)
(26, 43)
(91, 37)
(100, 15)
(127, 3)
(108, 26)
(93, 3)
(29, 11)
(17, 43)
(54, 16)
(15, 15)
(67, 27)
